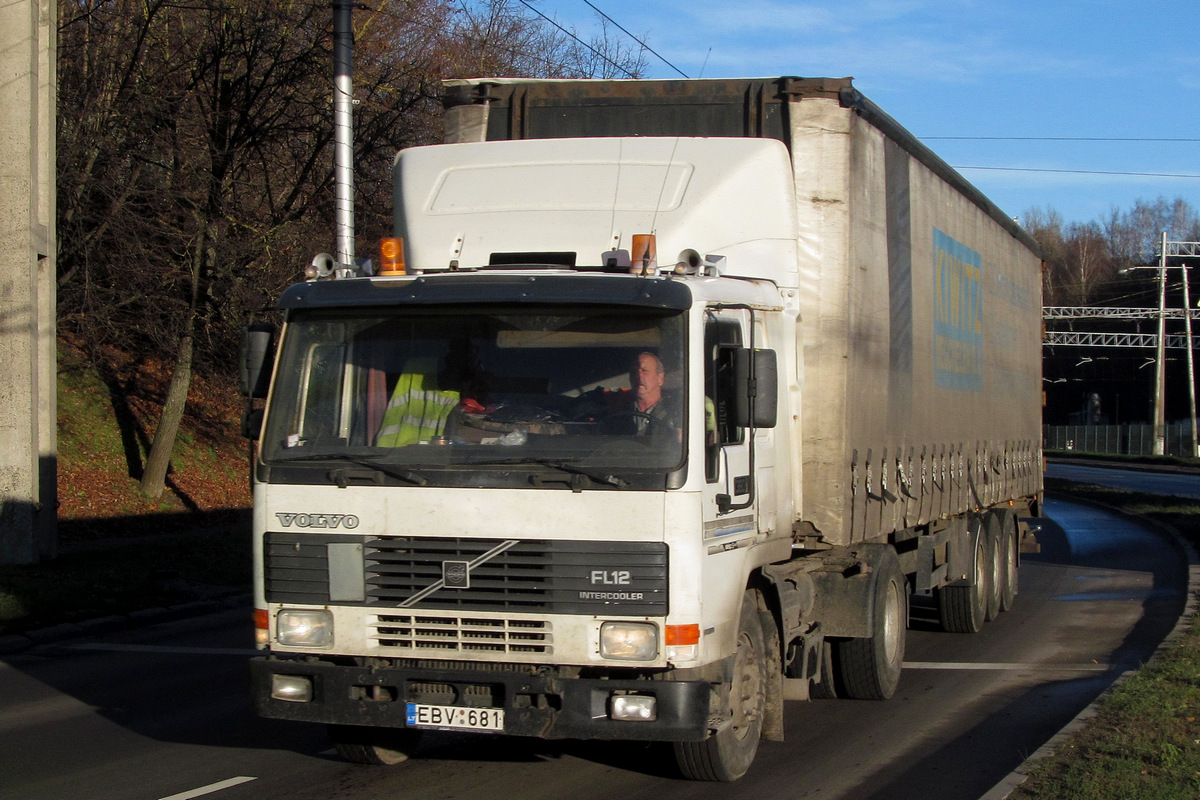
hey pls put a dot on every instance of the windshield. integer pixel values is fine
(571, 395)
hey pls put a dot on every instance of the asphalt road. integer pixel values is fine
(162, 712)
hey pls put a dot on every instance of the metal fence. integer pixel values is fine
(1134, 440)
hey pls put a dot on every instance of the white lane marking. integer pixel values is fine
(212, 787)
(1007, 666)
(160, 649)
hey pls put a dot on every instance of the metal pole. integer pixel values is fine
(1160, 374)
(343, 130)
(1191, 366)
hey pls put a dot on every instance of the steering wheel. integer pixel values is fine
(611, 424)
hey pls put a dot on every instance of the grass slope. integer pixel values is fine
(120, 551)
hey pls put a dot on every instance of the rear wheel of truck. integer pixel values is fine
(963, 609)
(1011, 561)
(995, 530)
(727, 754)
(870, 667)
(374, 746)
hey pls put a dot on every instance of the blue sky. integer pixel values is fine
(967, 68)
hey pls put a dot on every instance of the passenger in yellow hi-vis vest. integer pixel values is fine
(418, 409)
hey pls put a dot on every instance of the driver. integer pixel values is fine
(647, 379)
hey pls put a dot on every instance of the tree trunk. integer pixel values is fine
(159, 458)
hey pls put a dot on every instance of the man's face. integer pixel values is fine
(648, 380)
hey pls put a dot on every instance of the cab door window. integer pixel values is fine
(721, 338)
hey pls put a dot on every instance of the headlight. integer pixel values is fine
(629, 641)
(297, 627)
(634, 708)
(292, 688)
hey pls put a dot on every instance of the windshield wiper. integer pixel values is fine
(372, 470)
(561, 465)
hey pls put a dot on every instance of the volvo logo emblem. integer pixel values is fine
(288, 520)
(456, 574)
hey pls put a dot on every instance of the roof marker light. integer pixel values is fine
(391, 256)
(645, 254)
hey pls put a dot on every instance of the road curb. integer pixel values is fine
(1191, 607)
(20, 642)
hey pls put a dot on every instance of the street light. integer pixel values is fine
(1160, 382)
(1187, 326)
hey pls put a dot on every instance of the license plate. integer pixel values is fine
(455, 718)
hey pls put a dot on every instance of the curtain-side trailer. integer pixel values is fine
(682, 391)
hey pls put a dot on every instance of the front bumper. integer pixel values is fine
(536, 702)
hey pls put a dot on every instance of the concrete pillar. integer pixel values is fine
(28, 441)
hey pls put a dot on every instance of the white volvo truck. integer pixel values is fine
(465, 516)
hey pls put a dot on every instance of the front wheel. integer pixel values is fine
(870, 667)
(373, 746)
(727, 754)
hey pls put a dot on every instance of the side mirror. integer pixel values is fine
(756, 402)
(256, 359)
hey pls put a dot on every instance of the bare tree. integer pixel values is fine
(1134, 235)
(1045, 225)
(198, 172)
(1086, 260)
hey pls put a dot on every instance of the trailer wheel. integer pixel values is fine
(1012, 563)
(373, 746)
(996, 565)
(727, 754)
(871, 666)
(963, 609)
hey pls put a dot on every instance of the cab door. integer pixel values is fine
(729, 497)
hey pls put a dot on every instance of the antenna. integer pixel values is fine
(662, 188)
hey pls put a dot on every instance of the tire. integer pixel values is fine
(374, 746)
(995, 564)
(1011, 560)
(728, 753)
(870, 667)
(963, 609)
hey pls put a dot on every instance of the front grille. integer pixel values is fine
(539, 576)
(462, 575)
(463, 635)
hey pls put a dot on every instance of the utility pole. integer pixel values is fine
(1160, 372)
(1188, 249)
(1191, 365)
(28, 437)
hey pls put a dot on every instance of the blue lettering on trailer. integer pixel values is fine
(957, 314)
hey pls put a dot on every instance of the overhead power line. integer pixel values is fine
(611, 63)
(636, 39)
